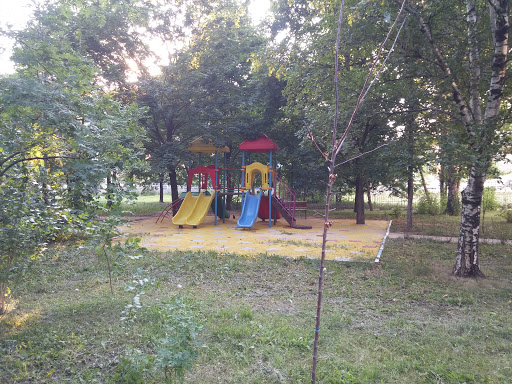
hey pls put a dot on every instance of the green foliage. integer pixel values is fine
(60, 134)
(210, 89)
(174, 336)
(27, 225)
(133, 368)
(396, 212)
(178, 349)
(428, 204)
(507, 215)
(489, 200)
(103, 232)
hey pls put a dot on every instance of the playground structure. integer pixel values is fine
(264, 195)
(192, 210)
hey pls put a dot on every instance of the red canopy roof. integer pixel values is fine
(261, 144)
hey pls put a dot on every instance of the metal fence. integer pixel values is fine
(386, 201)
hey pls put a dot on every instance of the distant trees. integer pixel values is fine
(209, 89)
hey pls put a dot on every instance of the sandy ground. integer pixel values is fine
(346, 241)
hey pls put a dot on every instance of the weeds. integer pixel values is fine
(407, 321)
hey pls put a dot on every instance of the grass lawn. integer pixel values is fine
(404, 321)
(493, 225)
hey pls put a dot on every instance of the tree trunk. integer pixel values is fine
(44, 185)
(442, 190)
(452, 203)
(229, 201)
(2, 296)
(109, 190)
(410, 196)
(424, 183)
(466, 262)
(174, 186)
(410, 178)
(360, 199)
(369, 196)
(161, 186)
(356, 196)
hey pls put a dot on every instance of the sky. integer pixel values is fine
(18, 12)
(15, 13)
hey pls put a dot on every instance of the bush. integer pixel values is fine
(428, 205)
(396, 212)
(489, 199)
(177, 351)
(507, 215)
(174, 337)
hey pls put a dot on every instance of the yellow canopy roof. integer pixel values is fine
(201, 146)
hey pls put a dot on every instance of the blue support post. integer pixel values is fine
(216, 186)
(224, 187)
(189, 168)
(200, 175)
(275, 187)
(243, 176)
(270, 174)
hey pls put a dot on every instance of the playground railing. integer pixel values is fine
(169, 210)
(286, 196)
(231, 180)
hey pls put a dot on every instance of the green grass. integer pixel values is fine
(146, 205)
(493, 226)
(405, 321)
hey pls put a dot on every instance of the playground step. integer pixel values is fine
(287, 215)
(277, 204)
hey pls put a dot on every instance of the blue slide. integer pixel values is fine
(250, 207)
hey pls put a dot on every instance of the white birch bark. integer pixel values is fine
(467, 261)
(480, 130)
(474, 68)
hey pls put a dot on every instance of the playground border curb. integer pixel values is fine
(444, 239)
(381, 249)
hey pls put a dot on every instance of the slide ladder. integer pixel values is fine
(284, 200)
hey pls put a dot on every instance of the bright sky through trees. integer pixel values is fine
(14, 14)
(17, 13)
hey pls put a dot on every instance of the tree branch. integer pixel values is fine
(9, 157)
(386, 59)
(2, 173)
(457, 94)
(310, 137)
(362, 154)
(364, 90)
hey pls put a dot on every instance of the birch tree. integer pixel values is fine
(477, 92)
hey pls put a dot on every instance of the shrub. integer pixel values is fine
(507, 215)
(396, 212)
(174, 340)
(428, 205)
(489, 199)
(177, 351)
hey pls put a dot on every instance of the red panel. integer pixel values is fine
(261, 144)
(204, 172)
(263, 211)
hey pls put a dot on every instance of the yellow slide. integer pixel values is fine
(200, 209)
(186, 207)
(193, 210)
